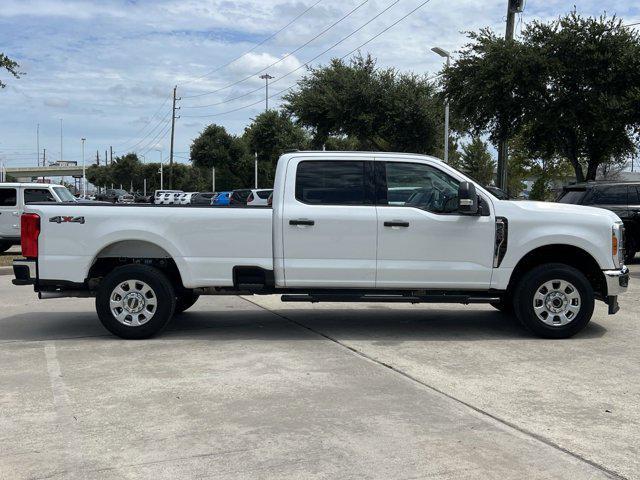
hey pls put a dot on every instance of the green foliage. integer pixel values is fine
(476, 161)
(10, 66)
(215, 147)
(378, 109)
(571, 83)
(271, 134)
(541, 189)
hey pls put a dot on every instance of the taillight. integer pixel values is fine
(250, 198)
(29, 233)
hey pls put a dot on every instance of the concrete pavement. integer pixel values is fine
(253, 388)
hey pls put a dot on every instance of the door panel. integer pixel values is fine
(422, 241)
(9, 212)
(329, 225)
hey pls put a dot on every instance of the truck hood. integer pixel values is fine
(572, 212)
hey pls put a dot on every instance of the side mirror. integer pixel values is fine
(467, 199)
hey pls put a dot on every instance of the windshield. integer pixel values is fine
(572, 196)
(64, 194)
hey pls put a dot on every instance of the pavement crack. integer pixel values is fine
(484, 413)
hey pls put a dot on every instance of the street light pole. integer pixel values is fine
(84, 171)
(266, 77)
(445, 54)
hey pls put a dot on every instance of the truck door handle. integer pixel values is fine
(302, 222)
(396, 223)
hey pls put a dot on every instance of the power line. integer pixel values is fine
(217, 69)
(301, 66)
(342, 58)
(162, 121)
(341, 19)
(146, 123)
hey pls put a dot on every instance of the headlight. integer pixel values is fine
(617, 244)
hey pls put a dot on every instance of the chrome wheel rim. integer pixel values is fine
(133, 303)
(557, 302)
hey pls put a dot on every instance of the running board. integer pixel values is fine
(315, 298)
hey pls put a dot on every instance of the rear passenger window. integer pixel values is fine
(613, 195)
(331, 183)
(35, 195)
(8, 197)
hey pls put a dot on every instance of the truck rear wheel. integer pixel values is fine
(554, 300)
(135, 301)
(185, 301)
(4, 246)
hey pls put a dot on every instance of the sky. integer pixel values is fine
(107, 68)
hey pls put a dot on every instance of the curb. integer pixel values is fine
(6, 271)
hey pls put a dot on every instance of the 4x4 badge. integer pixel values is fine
(61, 219)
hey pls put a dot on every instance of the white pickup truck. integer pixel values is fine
(333, 235)
(14, 197)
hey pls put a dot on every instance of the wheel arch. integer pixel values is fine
(126, 252)
(561, 253)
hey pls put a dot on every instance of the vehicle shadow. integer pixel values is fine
(386, 326)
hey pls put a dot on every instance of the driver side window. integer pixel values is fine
(421, 186)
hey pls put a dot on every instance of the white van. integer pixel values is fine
(13, 198)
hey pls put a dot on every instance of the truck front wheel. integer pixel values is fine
(135, 301)
(554, 300)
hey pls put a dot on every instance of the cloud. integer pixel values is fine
(56, 102)
(112, 64)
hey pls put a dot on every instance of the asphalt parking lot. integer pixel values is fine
(253, 388)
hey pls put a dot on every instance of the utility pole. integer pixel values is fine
(84, 171)
(106, 159)
(266, 77)
(38, 145)
(213, 179)
(443, 53)
(110, 156)
(513, 7)
(44, 160)
(255, 168)
(173, 129)
(97, 159)
(61, 157)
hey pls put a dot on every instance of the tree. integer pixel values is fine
(571, 83)
(590, 107)
(269, 135)
(214, 147)
(379, 109)
(10, 66)
(476, 161)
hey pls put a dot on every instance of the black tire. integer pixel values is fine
(4, 246)
(504, 305)
(185, 301)
(630, 251)
(162, 294)
(531, 285)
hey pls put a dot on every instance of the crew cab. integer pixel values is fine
(13, 199)
(333, 235)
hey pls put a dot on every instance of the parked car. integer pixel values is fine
(239, 198)
(258, 198)
(14, 197)
(164, 197)
(141, 198)
(183, 198)
(622, 198)
(332, 236)
(202, 198)
(221, 199)
(113, 195)
(126, 198)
